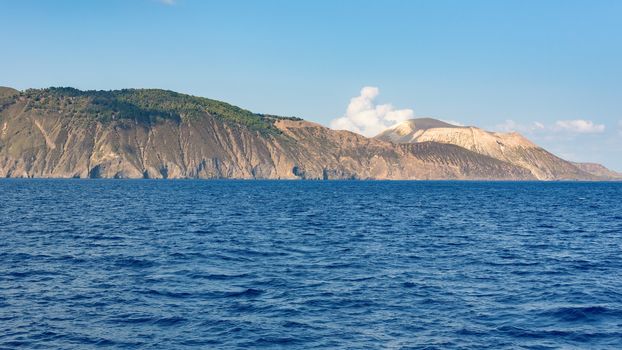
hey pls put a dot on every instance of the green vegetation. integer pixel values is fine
(144, 105)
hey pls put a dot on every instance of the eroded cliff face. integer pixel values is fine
(512, 148)
(65, 133)
(325, 153)
(35, 144)
(55, 143)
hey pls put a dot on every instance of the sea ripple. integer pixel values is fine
(310, 264)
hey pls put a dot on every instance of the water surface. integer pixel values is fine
(310, 265)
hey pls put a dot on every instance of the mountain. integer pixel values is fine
(150, 133)
(598, 170)
(512, 148)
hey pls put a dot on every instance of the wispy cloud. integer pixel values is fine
(511, 126)
(168, 2)
(365, 117)
(620, 127)
(579, 126)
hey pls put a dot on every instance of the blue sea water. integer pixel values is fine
(310, 265)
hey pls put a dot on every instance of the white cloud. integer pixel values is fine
(620, 127)
(168, 2)
(512, 126)
(365, 117)
(579, 126)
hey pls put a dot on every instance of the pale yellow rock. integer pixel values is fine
(508, 147)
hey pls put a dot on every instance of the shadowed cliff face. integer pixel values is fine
(159, 134)
(512, 148)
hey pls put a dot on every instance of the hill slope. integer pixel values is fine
(598, 170)
(508, 147)
(64, 132)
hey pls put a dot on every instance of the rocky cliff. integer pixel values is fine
(512, 148)
(66, 133)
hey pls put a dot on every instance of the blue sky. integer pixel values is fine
(549, 69)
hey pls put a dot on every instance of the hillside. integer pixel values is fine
(598, 170)
(66, 133)
(508, 147)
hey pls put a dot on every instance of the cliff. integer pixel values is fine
(512, 148)
(68, 133)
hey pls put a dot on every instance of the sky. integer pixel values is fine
(551, 70)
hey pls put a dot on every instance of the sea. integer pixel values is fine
(224, 264)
